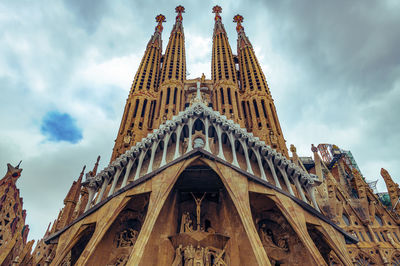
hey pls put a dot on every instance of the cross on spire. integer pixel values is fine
(179, 9)
(238, 19)
(217, 10)
(160, 19)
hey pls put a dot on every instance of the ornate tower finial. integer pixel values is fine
(238, 19)
(217, 10)
(179, 9)
(160, 19)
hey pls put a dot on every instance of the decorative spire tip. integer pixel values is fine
(179, 9)
(217, 10)
(160, 19)
(238, 19)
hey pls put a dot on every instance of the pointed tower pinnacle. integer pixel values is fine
(70, 201)
(223, 71)
(393, 190)
(257, 103)
(138, 117)
(173, 73)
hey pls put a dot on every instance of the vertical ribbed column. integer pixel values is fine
(256, 100)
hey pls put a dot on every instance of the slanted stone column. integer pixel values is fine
(153, 152)
(164, 155)
(139, 166)
(281, 168)
(220, 149)
(232, 141)
(127, 172)
(190, 141)
(298, 185)
(206, 125)
(262, 172)
(106, 176)
(178, 135)
(272, 168)
(115, 181)
(246, 155)
(92, 187)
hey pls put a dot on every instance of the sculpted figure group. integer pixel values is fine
(199, 256)
(127, 238)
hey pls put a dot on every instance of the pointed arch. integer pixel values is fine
(122, 232)
(78, 245)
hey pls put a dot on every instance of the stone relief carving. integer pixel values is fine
(272, 237)
(125, 235)
(126, 238)
(199, 246)
(186, 223)
(198, 256)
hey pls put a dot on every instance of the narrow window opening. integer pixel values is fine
(256, 108)
(168, 95)
(136, 108)
(175, 92)
(144, 108)
(151, 114)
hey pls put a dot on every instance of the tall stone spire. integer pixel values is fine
(70, 202)
(257, 103)
(173, 73)
(223, 71)
(138, 117)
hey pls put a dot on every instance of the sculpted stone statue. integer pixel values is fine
(186, 223)
(198, 208)
(199, 257)
(189, 254)
(127, 237)
(178, 257)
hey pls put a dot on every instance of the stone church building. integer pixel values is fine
(200, 175)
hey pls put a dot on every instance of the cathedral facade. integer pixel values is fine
(200, 174)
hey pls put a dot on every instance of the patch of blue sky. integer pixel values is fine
(58, 127)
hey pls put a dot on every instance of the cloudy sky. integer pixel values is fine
(66, 68)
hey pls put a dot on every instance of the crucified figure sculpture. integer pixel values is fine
(198, 203)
